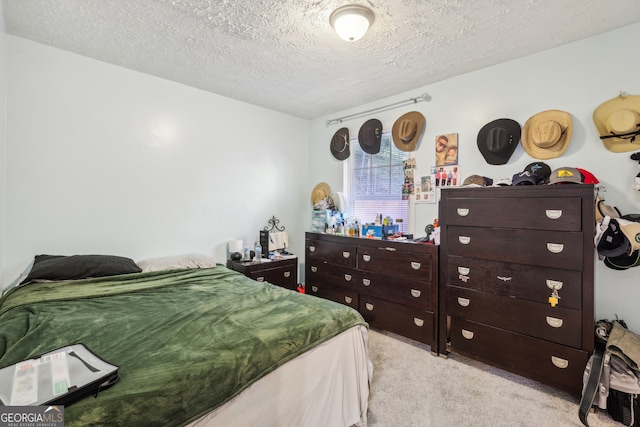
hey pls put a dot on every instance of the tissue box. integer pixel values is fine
(377, 231)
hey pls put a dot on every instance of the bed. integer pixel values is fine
(196, 346)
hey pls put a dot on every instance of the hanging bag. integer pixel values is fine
(611, 377)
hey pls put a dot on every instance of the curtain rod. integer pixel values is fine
(423, 97)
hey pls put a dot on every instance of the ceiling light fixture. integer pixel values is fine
(351, 22)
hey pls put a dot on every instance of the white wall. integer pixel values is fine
(101, 159)
(3, 135)
(575, 78)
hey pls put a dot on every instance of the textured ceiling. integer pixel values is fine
(284, 55)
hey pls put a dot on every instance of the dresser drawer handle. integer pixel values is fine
(348, 300)
(554, 284)
(555, 248)
(464, 302)
(369, 306)
(464, 270)
(554, 322)
(347, 277)
(314, 269)
(346, 254)
(287, 274)
(314, 288)
(260, 279)
(465, 240)
(389, 249)
(366, 258)
(503, 278)
(312, 248)
(559, 362)
(418, 322)
(553, 213)
(416, 293)
(366, 282)
(415, 265)
(467, 334)
(462, 211)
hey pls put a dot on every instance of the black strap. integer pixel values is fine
(593, 383)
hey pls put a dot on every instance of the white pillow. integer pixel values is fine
(176, 262)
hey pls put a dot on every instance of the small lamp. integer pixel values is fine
(351, 22)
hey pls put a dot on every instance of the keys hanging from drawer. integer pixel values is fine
(553, 299)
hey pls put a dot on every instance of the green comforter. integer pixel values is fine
(186, 341)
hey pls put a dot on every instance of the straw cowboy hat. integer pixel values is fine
(407, 130)
(618, 123)
(546, 135)
(340, 144)
(320, 191)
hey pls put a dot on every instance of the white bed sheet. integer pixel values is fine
(326, 386)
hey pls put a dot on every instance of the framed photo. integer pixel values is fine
(447, 149)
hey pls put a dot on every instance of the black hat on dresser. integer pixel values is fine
(541, 170)
(497, 140)
(340, 144)
(370, 136)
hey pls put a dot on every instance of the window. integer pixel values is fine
(373, 183)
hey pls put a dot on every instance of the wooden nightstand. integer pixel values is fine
(282, 272)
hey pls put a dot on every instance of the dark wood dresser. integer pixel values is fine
(504, 251)
(394, 285)
(282, 272)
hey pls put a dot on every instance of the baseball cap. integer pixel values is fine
(565, 175)
(478, 180)
(541, 170)
(613, 242)
(524, 178)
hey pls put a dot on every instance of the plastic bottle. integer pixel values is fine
(247, 253)
(258, 257)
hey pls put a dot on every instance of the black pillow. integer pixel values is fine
(60, 267)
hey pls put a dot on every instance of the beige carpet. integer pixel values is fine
(411, 387)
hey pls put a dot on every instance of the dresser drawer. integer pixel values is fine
(399, 289)
(557, 324)
(343, 296)
(331, 252)
(516, 280)
(541, 360)
(548, 213)
(332, 275)
(542, 248)
(407, 321)
(389, 260)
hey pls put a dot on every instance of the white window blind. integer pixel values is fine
(373, 183)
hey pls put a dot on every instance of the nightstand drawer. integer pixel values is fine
(284, 276)
(282, 272)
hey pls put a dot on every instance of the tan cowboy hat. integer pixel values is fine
(320, 191)
(618, 123)
(546, 135)
(407, 130)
